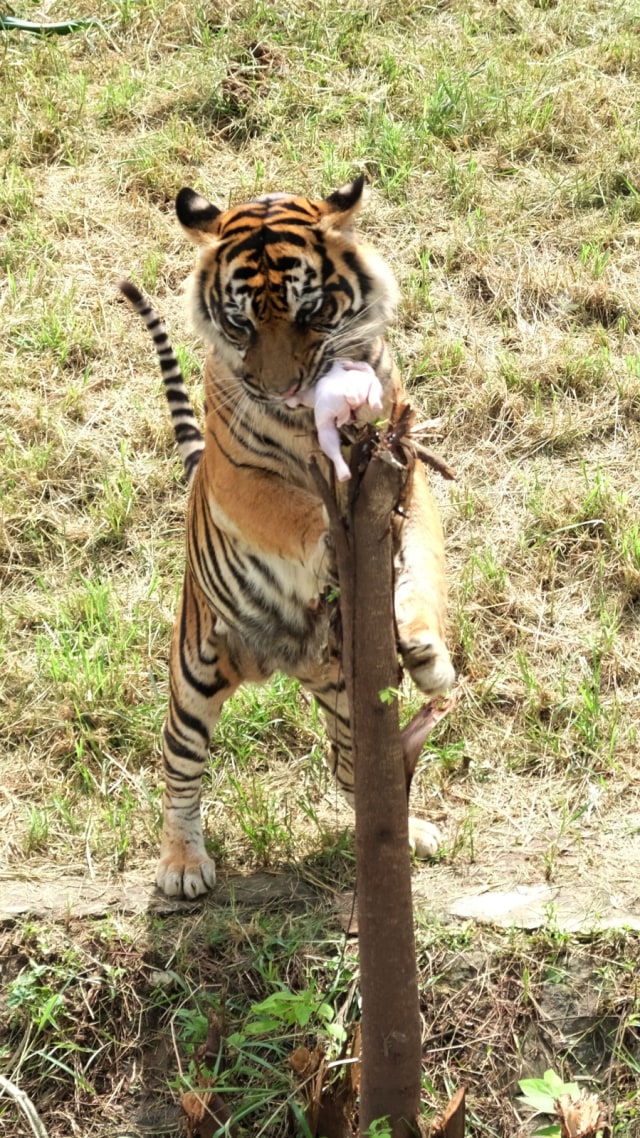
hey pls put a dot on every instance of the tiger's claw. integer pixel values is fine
(185, 873)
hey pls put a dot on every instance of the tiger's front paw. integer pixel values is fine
(185, 870)
(425, 839)
(429, 664)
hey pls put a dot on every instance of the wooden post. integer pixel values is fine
(391, 1047)
(391, 1037)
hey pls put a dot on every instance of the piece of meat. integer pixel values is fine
(349, 392)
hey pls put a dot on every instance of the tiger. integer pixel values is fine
(282, 288)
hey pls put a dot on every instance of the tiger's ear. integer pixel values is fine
(196, 215)
(339, 209)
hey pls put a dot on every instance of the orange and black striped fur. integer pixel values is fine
(281, 288)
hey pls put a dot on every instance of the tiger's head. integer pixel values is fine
(282, 286)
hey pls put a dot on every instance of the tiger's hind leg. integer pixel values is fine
(328, 689)
(201, 679)
(421, 593)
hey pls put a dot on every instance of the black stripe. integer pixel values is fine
(343, 720)
(261, 238)
(293, 207)
(211, 573)
(206, 690)
(177, 395)
(258, 600)
(181, 751)
(191, 462)
(186, 433)
(250, 437)
(353, 262)
(282, 264)
(191, 722)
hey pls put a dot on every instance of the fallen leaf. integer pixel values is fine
(451, 1123)
(206, 1113)
(329, 1090)
(416, 731)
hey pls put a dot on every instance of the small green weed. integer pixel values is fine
(253, 1068)
(595, 258)
(541, 1095)
(379, 1128)
(460, 104)
(120, 97)
(40, 1003)
(117, 499)
(264, 819)
(284, 1011)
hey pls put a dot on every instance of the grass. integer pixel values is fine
(502, 154)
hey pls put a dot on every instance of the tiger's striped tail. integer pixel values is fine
(189, 438)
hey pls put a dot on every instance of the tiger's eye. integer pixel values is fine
(240, 323)
(308, 313)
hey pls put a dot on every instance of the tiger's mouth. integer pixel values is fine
(291, 390)
(301, 391)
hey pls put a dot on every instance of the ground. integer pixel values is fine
(502, 156)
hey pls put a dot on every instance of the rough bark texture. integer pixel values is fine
(391, 1044)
